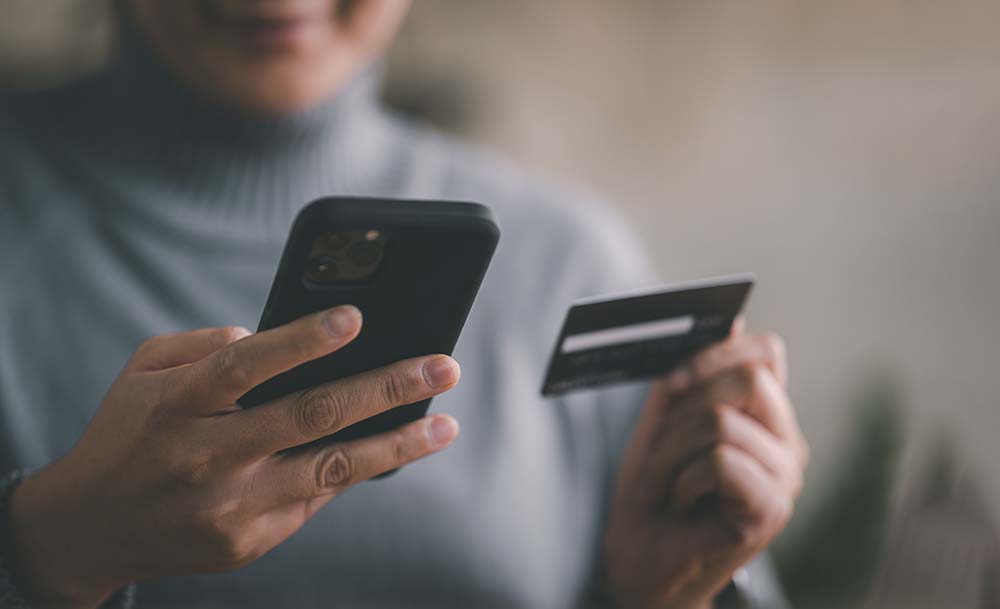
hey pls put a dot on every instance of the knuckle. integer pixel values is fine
(722, 421)
(713, 421)
(752, 378)
(745, 373)
(742, 534)
(319, 411)
(722, 457)
(227, 539)
(805, 453)
(209, 524)
(400, 454)
(184, 390)
(235, 550)
(239, 553)
(702, 365)
(226, 335)
(311, 338)
(394, 388)
(755, 530)
(732, 386)
(779, 512)
(334, 471)
(774, 344)
(797, 482)
(755, 534)
(230, 370)
(758, 525)
(189, 468)
(408, 446)
(160, 397)
(800, 451)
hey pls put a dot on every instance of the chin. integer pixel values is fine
(280, 91)
(268, 57)
(281, 101)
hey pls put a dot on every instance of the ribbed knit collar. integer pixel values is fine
(138, 120)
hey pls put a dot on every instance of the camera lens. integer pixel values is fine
(364, 253)
(337, 241)
(322, 268)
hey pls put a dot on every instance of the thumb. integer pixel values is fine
(170, 350)
(739, 326)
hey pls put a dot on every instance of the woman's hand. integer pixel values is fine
(172, 477)
(710, 477)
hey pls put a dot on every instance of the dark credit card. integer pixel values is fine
(638, 335)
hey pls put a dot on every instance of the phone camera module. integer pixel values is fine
(322, 269)
(344, 256)
(337, 241)
(365, 253)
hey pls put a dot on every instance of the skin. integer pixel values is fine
(268, 57)
(171, 477)
(709, 478)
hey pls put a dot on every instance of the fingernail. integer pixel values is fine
(440, 371)
(442, 430)
(341, 320)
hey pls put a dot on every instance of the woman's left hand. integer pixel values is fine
(710, 476)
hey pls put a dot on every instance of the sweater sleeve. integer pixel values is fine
(10, 595)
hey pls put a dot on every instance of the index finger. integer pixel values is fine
(230, 372)
(304, 416)
(755, 390)
(171, 350)
(736, 351)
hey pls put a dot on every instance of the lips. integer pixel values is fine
(273, 11)
(270, 25)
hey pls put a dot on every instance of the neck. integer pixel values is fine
(138, 119)
(138, 85)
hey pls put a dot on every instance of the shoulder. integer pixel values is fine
(33, 186)
(31, 118)
(13, 127)
(22, 113)
(27, 120)
(18, 156)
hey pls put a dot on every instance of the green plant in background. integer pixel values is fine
(942, 471)
(832, 561)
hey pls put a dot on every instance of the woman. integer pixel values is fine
(154, 198)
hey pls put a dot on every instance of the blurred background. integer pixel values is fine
(846, 152)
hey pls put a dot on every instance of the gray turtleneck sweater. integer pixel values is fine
(130, 207)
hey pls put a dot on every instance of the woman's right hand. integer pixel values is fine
(172, 477)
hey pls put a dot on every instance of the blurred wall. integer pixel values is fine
(844, 151)
(46, 42)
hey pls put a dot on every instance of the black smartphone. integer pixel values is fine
(413, 268)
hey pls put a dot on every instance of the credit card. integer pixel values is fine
(642, 334)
